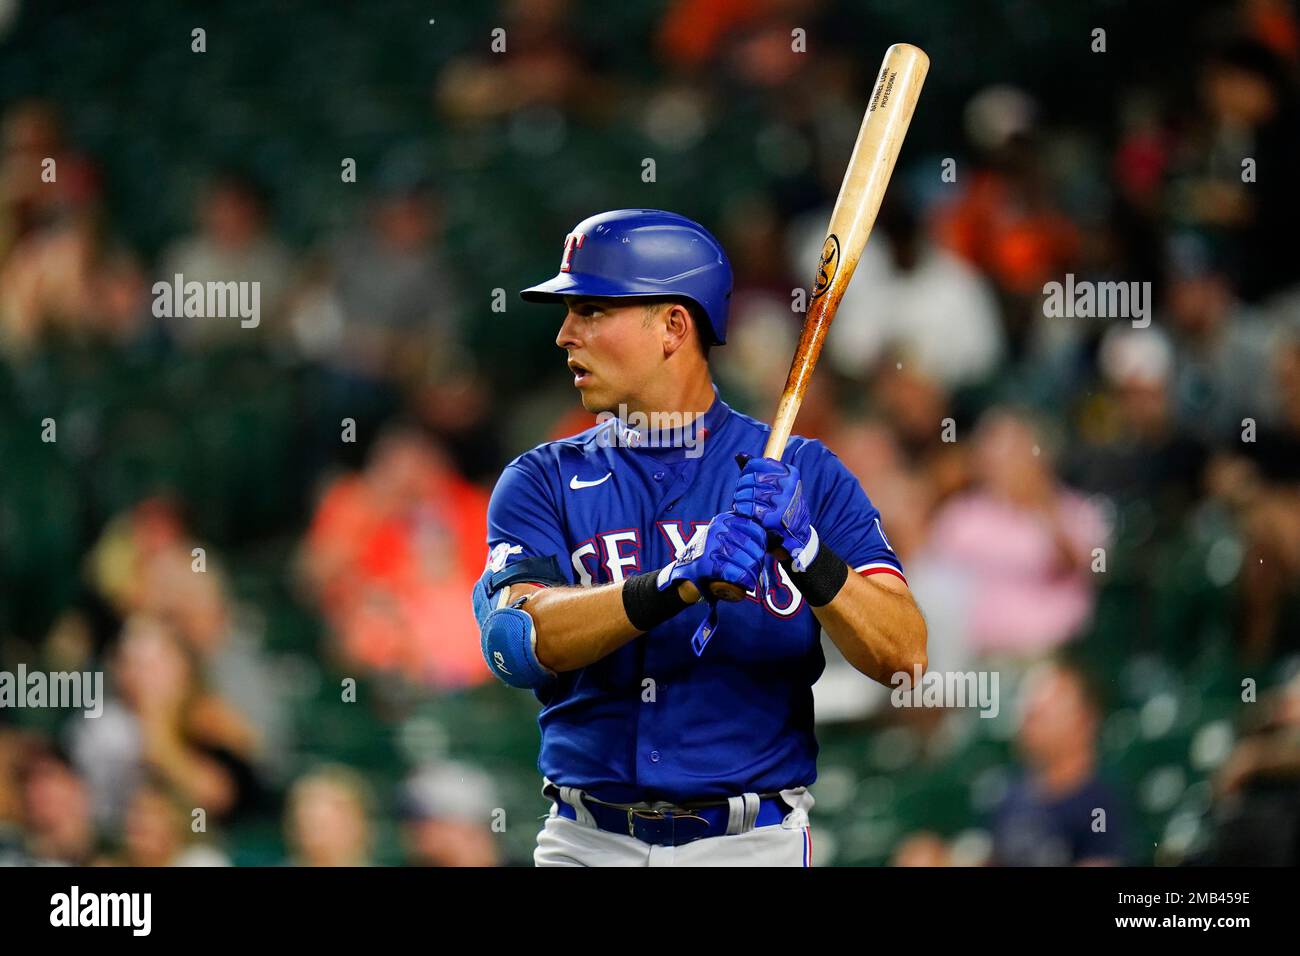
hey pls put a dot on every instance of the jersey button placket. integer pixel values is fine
(683, 473)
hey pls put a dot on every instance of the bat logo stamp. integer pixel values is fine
(828, 265)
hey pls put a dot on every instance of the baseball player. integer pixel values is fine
(676, 728)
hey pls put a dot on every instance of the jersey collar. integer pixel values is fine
(666, 435)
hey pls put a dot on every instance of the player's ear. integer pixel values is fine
(678, 327)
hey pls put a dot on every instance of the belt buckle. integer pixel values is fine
(646, 813)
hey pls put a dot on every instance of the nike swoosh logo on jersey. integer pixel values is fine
(577, 484)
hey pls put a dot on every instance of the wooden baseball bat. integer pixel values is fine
(879, 140)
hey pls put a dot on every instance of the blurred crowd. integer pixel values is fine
(1024, 463)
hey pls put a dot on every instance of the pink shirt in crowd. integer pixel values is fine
(1022, 601)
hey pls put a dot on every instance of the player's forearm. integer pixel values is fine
(578, 626)
(880, 631)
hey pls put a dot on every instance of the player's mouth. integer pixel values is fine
(581, 374)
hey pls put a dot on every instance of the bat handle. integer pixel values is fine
(722, 590)
(725, 591)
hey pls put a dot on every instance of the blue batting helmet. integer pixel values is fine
(643, 253)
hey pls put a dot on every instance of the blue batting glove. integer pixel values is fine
(731, 549)
(770, 493)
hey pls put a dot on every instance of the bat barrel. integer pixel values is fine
(880, 138)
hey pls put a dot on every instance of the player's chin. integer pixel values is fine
(594, 398)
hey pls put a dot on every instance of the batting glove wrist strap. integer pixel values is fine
(645, 605)
(822, 580)
(805, 555)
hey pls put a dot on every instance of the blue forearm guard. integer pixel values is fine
(507, 636)
(509, 642)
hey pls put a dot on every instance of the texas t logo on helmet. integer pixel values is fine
(572, 242)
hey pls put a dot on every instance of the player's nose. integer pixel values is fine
(567, 337)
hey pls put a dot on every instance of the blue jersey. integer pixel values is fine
(652, 720)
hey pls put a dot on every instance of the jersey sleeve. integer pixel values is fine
(844, 516)
(523, 523)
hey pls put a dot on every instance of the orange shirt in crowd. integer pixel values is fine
(1020, 246)
(394, 582)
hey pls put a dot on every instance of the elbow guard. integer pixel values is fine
(509, 643)
(507, 635)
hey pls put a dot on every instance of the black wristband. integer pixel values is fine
(823, 579)
(645, 605)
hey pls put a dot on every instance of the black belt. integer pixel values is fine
(668, 824)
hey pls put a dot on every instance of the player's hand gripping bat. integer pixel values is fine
(879, 140)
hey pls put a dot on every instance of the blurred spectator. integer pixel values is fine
(1259, 482)
(1059, 813)
(762, 325)
(225, 647)
(61, 271)
(232, 244)
(1005, 219)
(327, 819)
(1257, 790)
(915, 301)
(1140, 174)
(32, 194)
(1142, 157)
(907, 496)
(1250, 116)
(448, 810)
(143, 536)
(1006, 223)
(383, 305)
(162, 721)
(1132, 449)
(57, 812)
(870, 450)
(544, 64)
(1222, 350)
(456, 404)
(391, 554)
(745, 44)
(158, 832)
(918, 410)
(1022, 540)
(1274, 23)
(693, 32)
(144, 562)
(1276, 450)
(73, 280)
